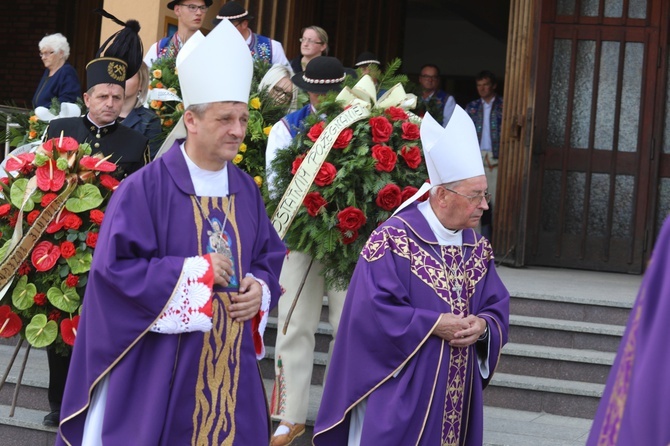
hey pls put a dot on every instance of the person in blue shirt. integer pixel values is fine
(60, 79)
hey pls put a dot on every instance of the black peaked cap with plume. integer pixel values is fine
(124, 44)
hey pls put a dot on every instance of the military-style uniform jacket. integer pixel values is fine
(129, 148)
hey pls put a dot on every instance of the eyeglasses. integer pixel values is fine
(309, 41)
(282, 94)
(46, 53)
(194, 8)
(474, 199)
(428, 76)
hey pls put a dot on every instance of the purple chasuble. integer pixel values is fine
(635, 407)
(419, 390)
(164, 389)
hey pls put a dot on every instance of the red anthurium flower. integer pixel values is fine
(109, 182)
(65, 144)
(10, 323)
(68, 329)
(45, 255)
(95, 163)
(4, 209)
(49, 177)
(18, 162)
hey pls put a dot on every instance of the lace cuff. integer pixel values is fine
(190, 307)
(260, 321)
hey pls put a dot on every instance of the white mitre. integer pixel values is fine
(216, 68)
(451, 153)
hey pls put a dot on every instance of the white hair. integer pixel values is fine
(276, 73)
(56, 42)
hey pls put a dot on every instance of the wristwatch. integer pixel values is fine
(484, 335)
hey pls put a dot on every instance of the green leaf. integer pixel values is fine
(17, 192)
(3, 250)
(84, 198)
(41, 332)
(80, 262)
(66, 300)
(72, 237)
(23, 293)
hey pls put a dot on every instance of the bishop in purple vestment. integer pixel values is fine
(635, 408)
(426, 314)
(186, 266)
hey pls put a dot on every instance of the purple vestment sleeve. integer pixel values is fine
(385, 351)
(161, 389)
(635, 405)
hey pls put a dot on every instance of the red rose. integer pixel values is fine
(411, 155)
(72, 221)
(407, 193)
(396, 114)
(96, 216)
(314, 202)
(5, 180)
(4, 209)
(48, 198)
(343, 139)
(72, 280)
(92, 239)
(315, 131)
(24, 268)
(109, 182)
(54, 315)
(381, 129)
(386, 158)
(67, 249)
(13, 217)
(326, 175)
(45, 255)
(348, 237)
(32, 216)
(389, 197)
(296, 163)
(410, 131)
(350, 219)
(40, 299)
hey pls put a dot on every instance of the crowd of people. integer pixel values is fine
(153, 363)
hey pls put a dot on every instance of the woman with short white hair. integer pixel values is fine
(277, 81)
(60, 79)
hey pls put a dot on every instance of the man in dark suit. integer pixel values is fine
(104, 98)
(128, 148)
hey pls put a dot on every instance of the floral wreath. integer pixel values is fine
(51, 209)
(374, 166)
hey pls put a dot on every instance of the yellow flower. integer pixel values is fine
(255, 103)
(157, 74)
(238, 159)
(179, 107)
(172, 90)
(258, 180)
(34, 118)
(243, 147)
(156, 104)
(32, 134)
(267, 129)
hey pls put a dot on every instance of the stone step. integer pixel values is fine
(535, 394)
(583, 310)
(24, 428)
(322, 337)
(565, 333)
(556, 363)
(318, 368)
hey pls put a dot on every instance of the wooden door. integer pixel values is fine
(594, 161)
